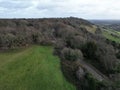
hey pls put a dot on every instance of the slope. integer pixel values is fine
(112, 35)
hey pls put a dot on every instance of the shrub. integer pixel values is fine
(59, 45)
(117, 68)
(7, 41)
(71, 54)
(118, 55)
(75, 42)
(89, 49)
(106, 56)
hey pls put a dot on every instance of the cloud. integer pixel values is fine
(14, 4)
(98, 9)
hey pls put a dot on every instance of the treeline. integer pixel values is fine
(15, 33)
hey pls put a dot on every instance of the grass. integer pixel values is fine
(34, 68)
(91, 29)
(107, 34)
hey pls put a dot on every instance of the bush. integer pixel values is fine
(71, 54)
(59, 45)
(7, 41)
(89, 50)
(118, 55)
(75, 42)
(117, 68)
(106, 56)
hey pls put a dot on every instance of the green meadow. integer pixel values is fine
(33, 68)
(109, 35)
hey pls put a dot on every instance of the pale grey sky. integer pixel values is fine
(88, 9)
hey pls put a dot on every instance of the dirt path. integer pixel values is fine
(92, 70)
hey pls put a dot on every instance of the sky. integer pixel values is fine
(87, 9)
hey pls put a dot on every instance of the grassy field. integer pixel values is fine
(34, 68)
(109, 35)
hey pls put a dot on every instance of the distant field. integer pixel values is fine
(112, 35)
(34, 68)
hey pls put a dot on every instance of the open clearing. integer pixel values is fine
(35, 68)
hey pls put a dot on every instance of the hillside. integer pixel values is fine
(85, 54)
(34, 68)
(110, 29)
(112, 35)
